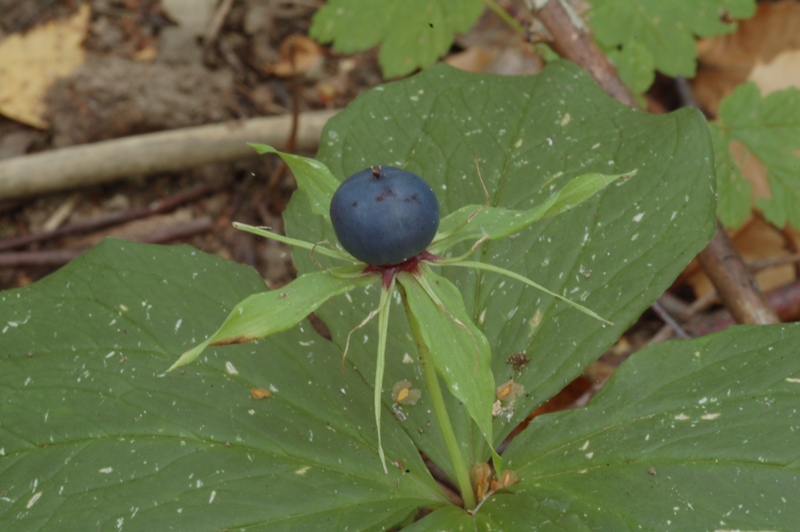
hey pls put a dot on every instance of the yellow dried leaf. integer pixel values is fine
(755, 52)
(30, 63)
(509, 391)
(299, 54)
(779, 74)
(260, 393)
(404, 394)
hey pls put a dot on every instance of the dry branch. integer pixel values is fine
(58, 257)
(152, 153)
(94, 224)
(733, 282)
(577, 45)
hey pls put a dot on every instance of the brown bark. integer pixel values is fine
(736, 287)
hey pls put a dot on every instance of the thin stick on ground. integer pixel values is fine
(156, 207)
(217, 21)
(59, 257)
(669, 320)
(152, 153)
(734, 284)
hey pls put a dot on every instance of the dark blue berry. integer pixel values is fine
(384, 215)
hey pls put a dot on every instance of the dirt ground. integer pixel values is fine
(150, 67)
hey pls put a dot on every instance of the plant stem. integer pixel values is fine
(439, 408)
(503, 14)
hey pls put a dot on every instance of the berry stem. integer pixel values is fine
(439, 408)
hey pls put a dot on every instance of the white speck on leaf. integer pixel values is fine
(302, 470)
(33, 499)
(107, 470)
(230, 369)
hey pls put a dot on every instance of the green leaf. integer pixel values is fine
(459, 350)
(635, 65)
(473, 222)
(666, 29)
(94, 436)
(615, 253)
(508, 512)
(443, 519)
(312, 177)
(261, 315)
(689, 435)
(769, 128)
(411, 33)
(733, 189)
(318, 248)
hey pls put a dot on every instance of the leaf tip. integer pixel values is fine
(628, 175)
(261, 149)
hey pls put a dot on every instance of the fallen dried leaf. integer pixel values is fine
(30, 63)
(404, 394)
(509, 391)
(298, 55)
(753, 53)
(260, 393)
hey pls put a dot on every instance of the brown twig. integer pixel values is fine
(701, 304)
(792, 244)
(38, 259)
(577, 45)
(669, 320)
(785, 300)
(59, 257)
(762, 264)
(155, 207)
(736, 287)
(216, 23)
(151, 153)
(720, 260)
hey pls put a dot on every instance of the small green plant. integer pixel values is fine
(272, 435)
(455, 350)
